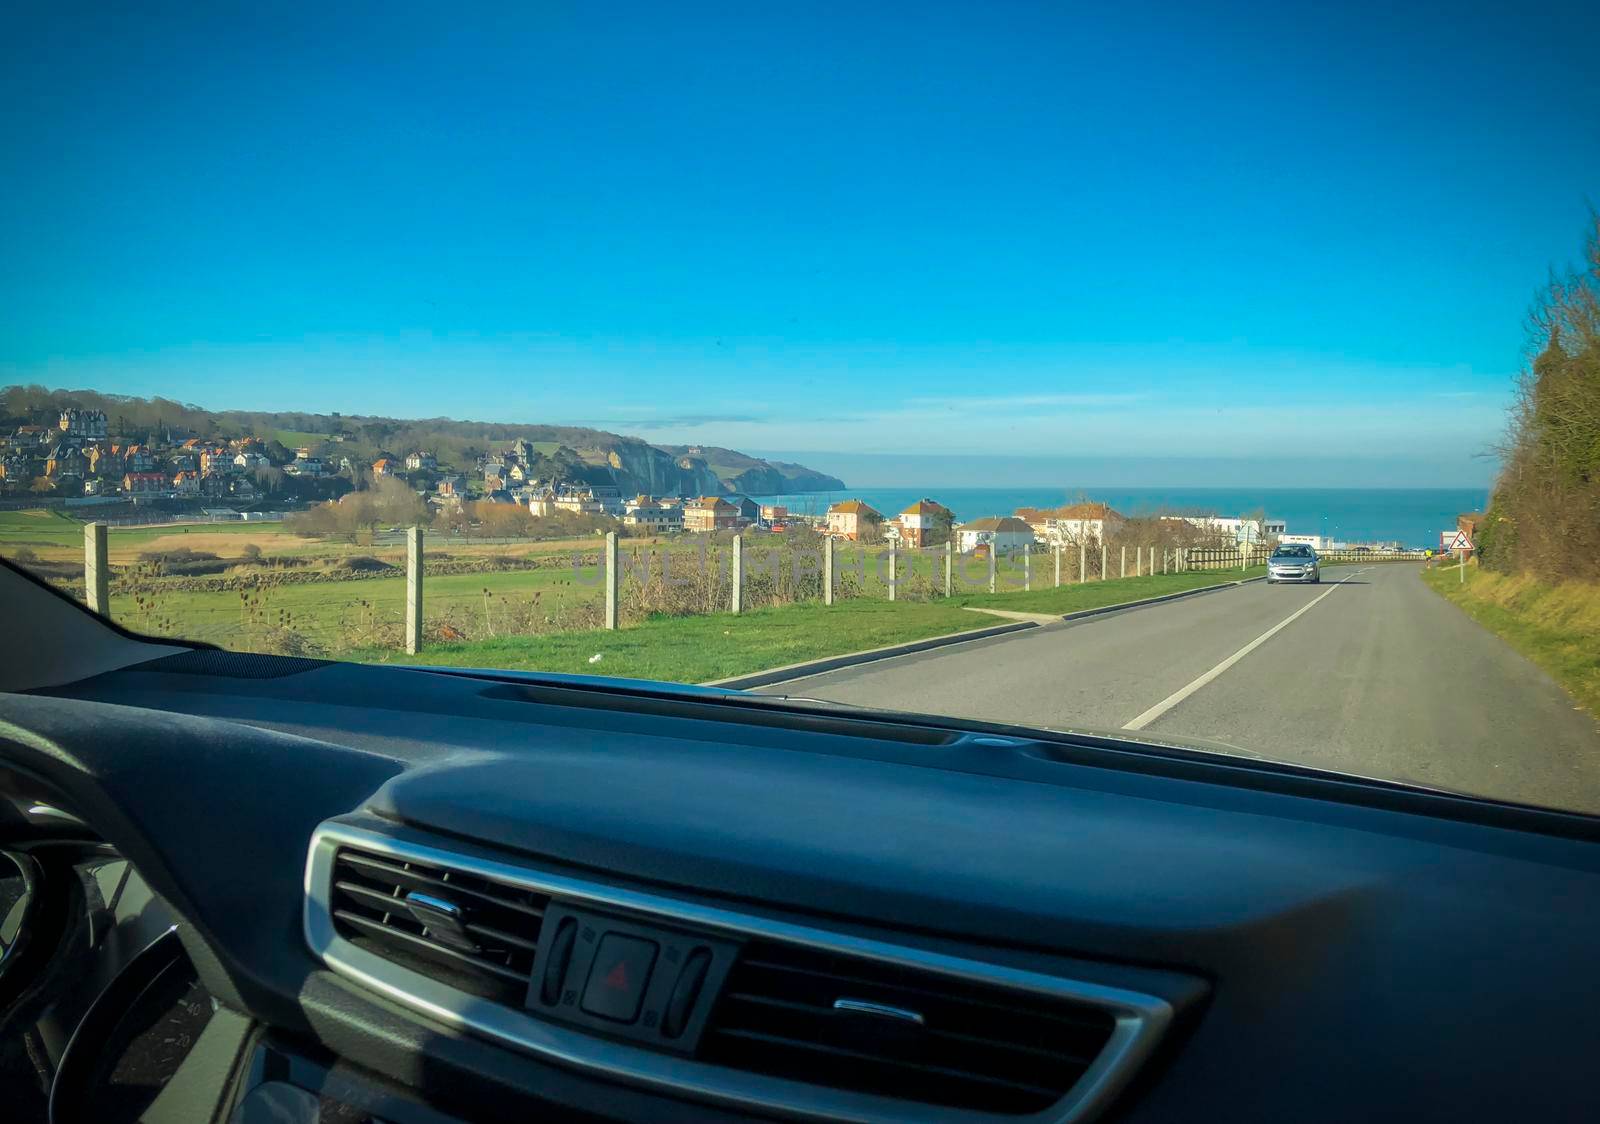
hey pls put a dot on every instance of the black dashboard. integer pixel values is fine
(411, 895)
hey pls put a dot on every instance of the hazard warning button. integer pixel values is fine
(618, 976)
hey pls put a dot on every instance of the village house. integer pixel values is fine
(1000, 533)
(87, 424)
(186, 484)
(494, 476)
(383, 466)
(144, 483)
(710, 513)
(421, 462)
(773, 513)
(64, 460)
(580, 503)
(924, 523)
(653, 516)
(305, 464)
(215, 459)
(249, 461)
(1072, 523)
(853, 519)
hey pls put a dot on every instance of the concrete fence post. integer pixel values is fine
(1083, 562)
(611, 576)
(738, 573)
(1152, 570)
(1027, 569)
(1138, 561)
(949, 566)
(827, 570)
(1124, 571)
(413, 590)
(1103, 574)
(894, 561)
(96, 573)
(994, 549)
(1058, 566)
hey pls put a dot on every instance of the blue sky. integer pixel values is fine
(1193, 234)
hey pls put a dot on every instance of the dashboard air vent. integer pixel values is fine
(858, 1024)
(471, 932)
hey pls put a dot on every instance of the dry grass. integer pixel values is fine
(1556, 625)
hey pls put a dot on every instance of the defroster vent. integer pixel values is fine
(858, 1024)
(470, 932)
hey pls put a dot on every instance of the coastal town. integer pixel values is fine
(76, 463)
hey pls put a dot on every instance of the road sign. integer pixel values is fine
(1460, 541)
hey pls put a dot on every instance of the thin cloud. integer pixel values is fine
(671, 421)
(1027, 401)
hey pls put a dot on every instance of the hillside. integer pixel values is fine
(565, 452)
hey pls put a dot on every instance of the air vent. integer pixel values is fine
(858, 1024)
(470, 932)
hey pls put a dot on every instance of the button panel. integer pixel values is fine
(615, 976)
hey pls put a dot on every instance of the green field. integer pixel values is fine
(336, 613)
(1114, 591)
(544, 618)
(44, 531)
(716, 646)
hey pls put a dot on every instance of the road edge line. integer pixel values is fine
(869, 655)
(1102, 610)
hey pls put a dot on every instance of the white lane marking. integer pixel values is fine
(1184, 692)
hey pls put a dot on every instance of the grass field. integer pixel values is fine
(329, 612)
(1114, 591)
(1555, 626)
(536, 618)
(59, 538)
(716, 646)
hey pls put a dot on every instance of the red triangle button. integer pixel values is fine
(617, 978)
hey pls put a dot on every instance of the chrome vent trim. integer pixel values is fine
(1139, 1019)
(471, 931)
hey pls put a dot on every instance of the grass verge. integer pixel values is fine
(1557, 626)
(699, 649)
(1097, 594)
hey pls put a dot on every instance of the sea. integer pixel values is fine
(1410, 516)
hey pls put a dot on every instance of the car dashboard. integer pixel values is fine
(403, 895)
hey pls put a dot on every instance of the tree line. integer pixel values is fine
(1544, 518)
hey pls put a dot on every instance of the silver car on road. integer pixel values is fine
(1293, 562)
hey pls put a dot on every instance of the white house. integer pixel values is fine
(1072, 523)
(1240, 530)
(922, 524)
(642, 511)
(1001, 533)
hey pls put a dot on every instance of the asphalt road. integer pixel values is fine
(1370, 672)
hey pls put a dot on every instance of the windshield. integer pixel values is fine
(794, 351)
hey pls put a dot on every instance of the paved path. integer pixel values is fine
(1370, 673)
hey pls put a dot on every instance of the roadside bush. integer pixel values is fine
(184, 562)
(366, 564)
